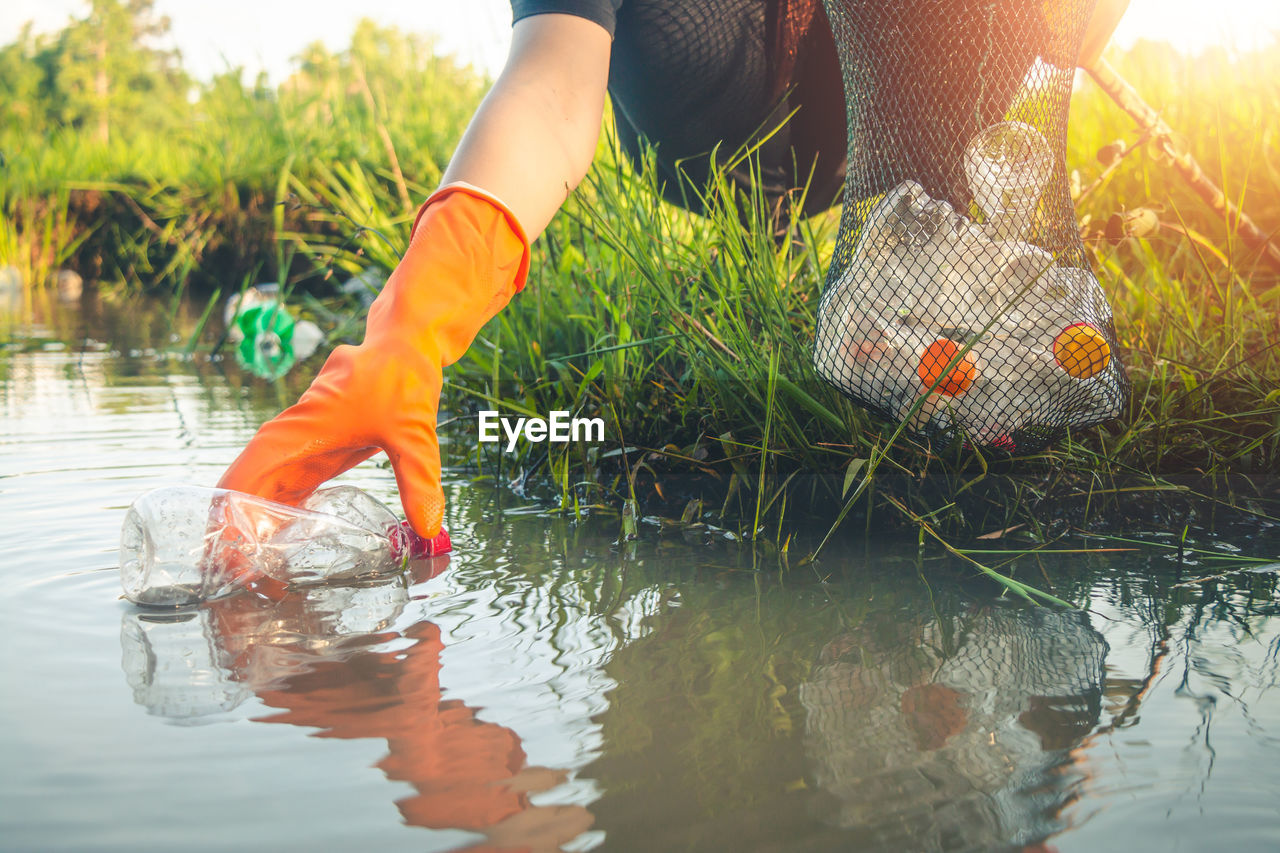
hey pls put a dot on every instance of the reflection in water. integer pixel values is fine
(770, 719)
(329, 658)
(702, 704)
(945, 734)
(745, 715)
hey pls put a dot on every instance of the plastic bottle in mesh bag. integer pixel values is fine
(936, 303)
(959, 297)
(1007, 167)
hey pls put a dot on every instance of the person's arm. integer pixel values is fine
(1106, 15)
(528, 145)
(532, 140)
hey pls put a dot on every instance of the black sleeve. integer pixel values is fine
(603, 12)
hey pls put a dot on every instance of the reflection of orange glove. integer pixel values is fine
(1106, 15)
(468, 773)
(467, 257)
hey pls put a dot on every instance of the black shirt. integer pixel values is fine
(691, 75)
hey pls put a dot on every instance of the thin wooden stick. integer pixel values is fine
(1150, 122)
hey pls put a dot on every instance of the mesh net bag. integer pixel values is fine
(960, 298)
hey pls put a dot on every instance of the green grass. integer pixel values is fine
(690, 334)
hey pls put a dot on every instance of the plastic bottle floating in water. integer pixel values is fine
(266, 345)
(186, 544)
(268, 340)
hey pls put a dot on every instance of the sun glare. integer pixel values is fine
(1193, 25)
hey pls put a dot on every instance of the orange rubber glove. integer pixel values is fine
(467, 257)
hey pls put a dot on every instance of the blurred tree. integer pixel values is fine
(25, 74)
(109, 67)
(111, 75)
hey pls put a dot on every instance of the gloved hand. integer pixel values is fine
(467, 257)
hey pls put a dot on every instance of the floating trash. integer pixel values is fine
(933, 304)
(268, 339)
(364, 285)
(959, 300)
(183, 545)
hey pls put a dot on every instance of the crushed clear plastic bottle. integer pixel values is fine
(182, 545)
(1008, 166)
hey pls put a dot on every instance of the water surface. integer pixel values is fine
(548, 688)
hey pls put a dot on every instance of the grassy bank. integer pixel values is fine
(690, 335)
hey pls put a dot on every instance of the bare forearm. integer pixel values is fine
(532, 139)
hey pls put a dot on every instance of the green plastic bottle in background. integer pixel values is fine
(268, 341)
(266, 349)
